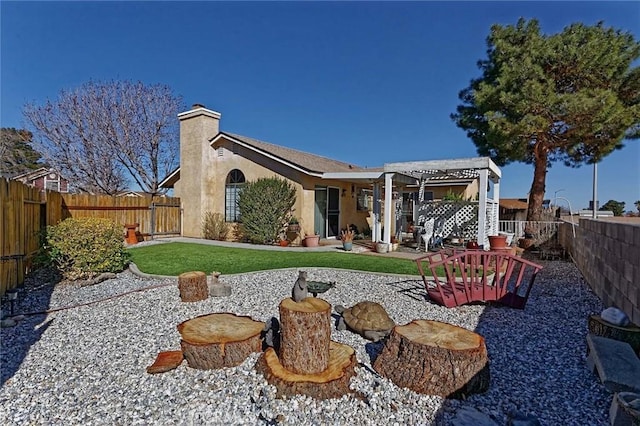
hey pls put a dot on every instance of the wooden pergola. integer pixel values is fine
(413, 171)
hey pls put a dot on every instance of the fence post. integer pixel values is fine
(153, 219)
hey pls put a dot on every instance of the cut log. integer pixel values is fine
(305, 333)
(330, 383)
(629, 334)
(193, 286)
(219, 340)
(166, 361)
(435, 358)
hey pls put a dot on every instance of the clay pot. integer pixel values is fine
(311, 241)
(497, 241)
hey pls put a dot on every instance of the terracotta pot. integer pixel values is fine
(497, 241)
(472, 245)
(311, 241)
(284, 243)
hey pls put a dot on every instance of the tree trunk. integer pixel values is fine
(333, 382)
(219, 340)
(629, 334)
(435, 358)
(305, 329)
(536, 194)
(193, 286)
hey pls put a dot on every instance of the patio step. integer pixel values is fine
(615, 363)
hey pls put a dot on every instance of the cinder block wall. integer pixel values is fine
(608, 256)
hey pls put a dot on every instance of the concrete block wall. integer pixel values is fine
(608, 256)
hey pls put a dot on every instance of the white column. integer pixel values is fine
(375, 232)
(482, 207)
(496, 198)
(388, 203)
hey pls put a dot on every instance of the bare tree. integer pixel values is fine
(105, 135)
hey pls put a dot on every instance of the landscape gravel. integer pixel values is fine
(87, 364)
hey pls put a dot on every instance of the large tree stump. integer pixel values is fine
(219, 340)
(330, 383)
(629, 334)
(435, 358)
(193, 286)
(305, 334)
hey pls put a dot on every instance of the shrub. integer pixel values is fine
(214, 226)
(85, 247)
(265, 208)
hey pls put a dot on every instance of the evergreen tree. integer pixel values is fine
(571, 97)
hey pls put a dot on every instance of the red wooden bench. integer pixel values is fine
(478, 276)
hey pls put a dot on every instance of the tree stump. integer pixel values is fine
(629, 334)
(305, 334)
(330, 383)
(193, 286)
(435, 358)
(219, 340)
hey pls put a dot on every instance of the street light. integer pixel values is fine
(573, 225)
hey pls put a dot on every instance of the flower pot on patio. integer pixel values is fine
(497, 241)
(284, 243)
(311, 241)
(382, 247)
(347, 245)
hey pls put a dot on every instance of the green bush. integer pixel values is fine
(214, 227)
(265, 208)
(85, 247)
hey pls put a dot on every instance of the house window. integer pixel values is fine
(233, 187)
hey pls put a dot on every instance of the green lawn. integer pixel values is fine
(176, 258)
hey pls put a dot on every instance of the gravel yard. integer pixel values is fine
(86, 365)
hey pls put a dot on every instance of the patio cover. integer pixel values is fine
(416, 172)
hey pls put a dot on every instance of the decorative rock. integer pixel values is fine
(520, 419)
(625, 409)
(468, 416)
(9, 322)
(100, 278)
(166, 361)
(216, 288)
(615, 316)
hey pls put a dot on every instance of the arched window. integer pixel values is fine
(233, 187)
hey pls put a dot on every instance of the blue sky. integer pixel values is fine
(362, 82)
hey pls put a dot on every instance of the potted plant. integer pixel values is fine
(284, 242)
(294, 224)
(347, 235)
(311, 240)
(382, 247)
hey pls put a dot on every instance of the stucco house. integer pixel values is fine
(331, 194)
(44, 178)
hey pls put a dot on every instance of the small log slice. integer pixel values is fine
(166, 361)
(193, 286)
(435, 358)
(219, 340)
(330, 383)
(629, 334)
(305, 334)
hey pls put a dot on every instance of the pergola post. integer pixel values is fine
(375, 232)
(388, 200)
(482, 206)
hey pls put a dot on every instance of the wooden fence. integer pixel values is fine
(26, 211)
